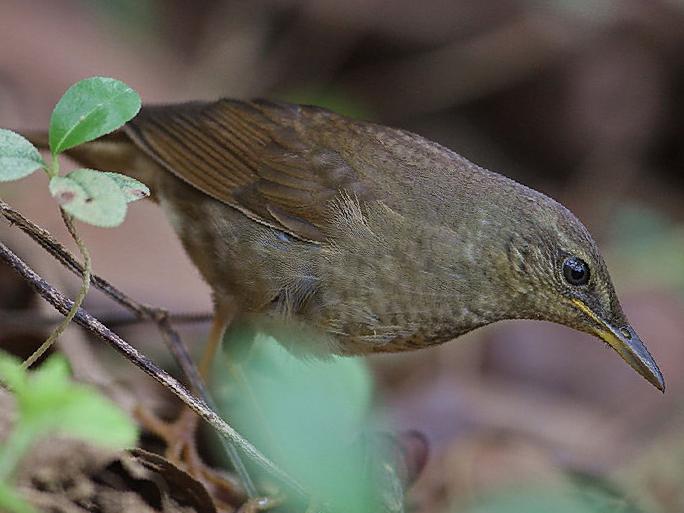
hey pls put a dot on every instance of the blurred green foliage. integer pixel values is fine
(647, 250)
(553, 499)
(307, 415)
(49, 402)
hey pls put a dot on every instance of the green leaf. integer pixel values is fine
(90, 196)
(90, 109)
(11, 373)
(304, 414)
(10, 501)
(53, 402)
(85, 414)
(49, 401)
(18, 157)
(53, 375)
(133, 189)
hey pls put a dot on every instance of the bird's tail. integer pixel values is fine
(112, 152)
(108, 153)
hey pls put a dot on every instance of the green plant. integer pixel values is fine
(48, 401)
(89, 109)
(309, 417)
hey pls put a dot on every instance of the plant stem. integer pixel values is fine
(53, 169)
(85, 285)
(64, 305)
(142, 311)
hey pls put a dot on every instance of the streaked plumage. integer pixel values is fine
(357, 237)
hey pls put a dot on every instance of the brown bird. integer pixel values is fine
(343, 236)
(348, 237)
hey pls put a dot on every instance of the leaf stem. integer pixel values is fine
(204, 408)
(85, 285)
(63, 305)
(53, 168)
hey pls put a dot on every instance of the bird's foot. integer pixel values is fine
(181, 450)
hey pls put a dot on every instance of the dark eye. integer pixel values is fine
(576, 271)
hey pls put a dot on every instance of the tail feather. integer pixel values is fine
(107, 153)
(112, 152)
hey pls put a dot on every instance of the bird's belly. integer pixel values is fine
(243, 261)
(344, 297)
(390, 308)
(382, 332)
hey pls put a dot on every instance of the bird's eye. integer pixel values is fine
(576, 271)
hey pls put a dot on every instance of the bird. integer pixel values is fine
(342, 236)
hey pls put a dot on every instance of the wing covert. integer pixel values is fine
(253, 156)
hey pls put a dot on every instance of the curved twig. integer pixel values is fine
(160, 316)
(78, 301)
(84, 319)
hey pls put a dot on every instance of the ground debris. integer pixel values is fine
(63, 475)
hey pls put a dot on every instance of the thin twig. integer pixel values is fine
(83, 291)
(84, 319)
(160, 316)
(140, 310)
(52, 246)
(35, 321)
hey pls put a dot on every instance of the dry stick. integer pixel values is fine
(158, 315)
(142, 311)
(52, 246)
(29, 320)
(84, 319)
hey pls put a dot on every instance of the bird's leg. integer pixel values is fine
(179, 436)
(182, 446)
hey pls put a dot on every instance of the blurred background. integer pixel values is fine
(581, 99)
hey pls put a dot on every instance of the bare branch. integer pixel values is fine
(142, 311)
(52, 246)
(84, 319)
(37, 321)
(161, 317)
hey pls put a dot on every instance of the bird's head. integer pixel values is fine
(555, 272)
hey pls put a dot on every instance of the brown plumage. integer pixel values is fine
(345, 236)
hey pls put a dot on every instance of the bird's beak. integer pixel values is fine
(627, 344)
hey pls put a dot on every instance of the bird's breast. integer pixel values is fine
(389, 283)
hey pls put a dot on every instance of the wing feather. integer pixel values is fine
(253, 156)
